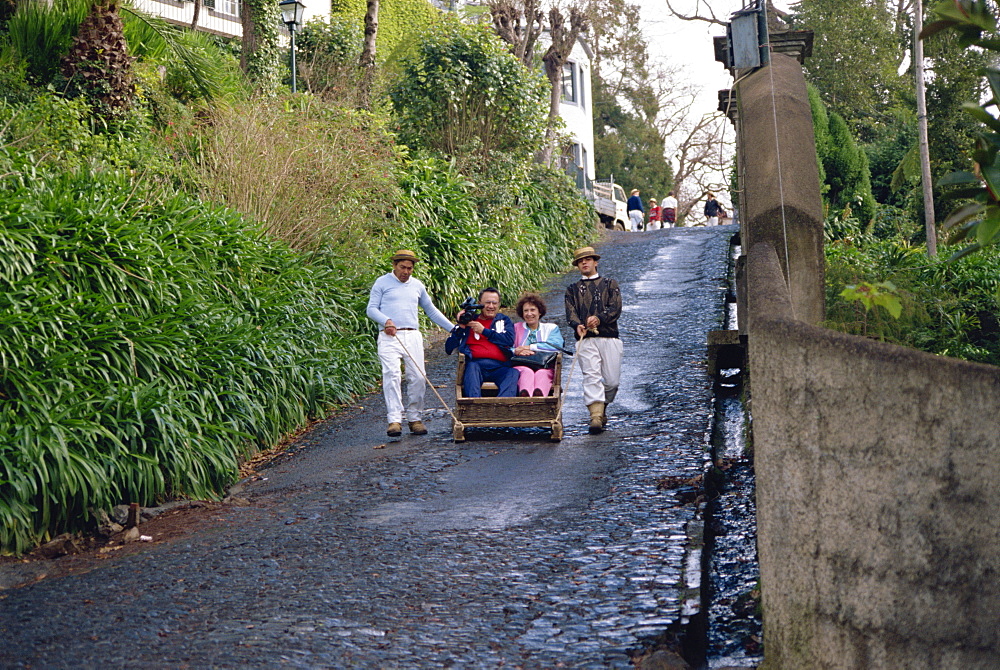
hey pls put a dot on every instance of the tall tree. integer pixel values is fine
(627, 146)
(562, 40)
(619, 49)
(926, 183)
(845, 179)
(848, 33)
(518, 26)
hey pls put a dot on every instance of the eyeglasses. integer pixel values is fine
(491, 302)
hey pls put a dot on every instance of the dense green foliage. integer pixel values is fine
(399, 22)
(974, 23)
(147, 342)
(857, 49)
(461, 93)
(877, 100)
(949, 308)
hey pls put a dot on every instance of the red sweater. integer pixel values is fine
(483, 348)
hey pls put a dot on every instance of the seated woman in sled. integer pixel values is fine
(532, 337)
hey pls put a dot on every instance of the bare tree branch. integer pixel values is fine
(711, 18)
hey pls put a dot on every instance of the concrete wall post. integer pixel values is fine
(780, 200)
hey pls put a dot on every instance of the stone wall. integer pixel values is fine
(877, 495)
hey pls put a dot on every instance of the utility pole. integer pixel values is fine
(925, 159)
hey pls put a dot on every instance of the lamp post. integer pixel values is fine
(291, 15)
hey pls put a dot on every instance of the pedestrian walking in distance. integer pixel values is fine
(636, 214)
(668, 210)
(593, 306)
(712, 210)
(654, 215)
(392, 304)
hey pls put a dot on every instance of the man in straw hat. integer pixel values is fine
(593, 306)
(392, 304)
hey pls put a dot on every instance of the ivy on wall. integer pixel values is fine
(261, 52)
(397, 19)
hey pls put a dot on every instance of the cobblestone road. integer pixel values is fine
(504, 551)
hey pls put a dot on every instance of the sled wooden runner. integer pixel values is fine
(521, 412)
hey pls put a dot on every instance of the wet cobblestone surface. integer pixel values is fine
(504, 551)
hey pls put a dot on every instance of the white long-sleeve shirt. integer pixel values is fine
(396, 300)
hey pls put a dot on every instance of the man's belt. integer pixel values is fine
(405, 329)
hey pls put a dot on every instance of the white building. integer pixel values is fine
(220, 17)
(577, 112)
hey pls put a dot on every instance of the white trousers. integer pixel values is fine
(390, 353)
(635, 219)
(601, 366)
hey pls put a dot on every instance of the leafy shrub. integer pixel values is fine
(328, 52)
(147, 342)
(61, 134)
(14, 88)
(463, 94)
(947, 307)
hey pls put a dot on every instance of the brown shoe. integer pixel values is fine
(418, 428)
(394, 430)
(596, 426)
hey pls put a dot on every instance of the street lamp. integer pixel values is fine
(291, 16)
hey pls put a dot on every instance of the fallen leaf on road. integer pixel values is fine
(380, 446)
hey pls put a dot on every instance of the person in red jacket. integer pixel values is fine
(654, 215)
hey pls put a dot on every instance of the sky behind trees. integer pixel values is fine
(688, 44)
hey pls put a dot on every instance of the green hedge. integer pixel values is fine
(147, 343)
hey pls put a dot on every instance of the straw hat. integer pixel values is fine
(635, 191)
(585, 252)
(404, 255)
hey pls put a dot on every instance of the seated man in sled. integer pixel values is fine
(487, 340)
